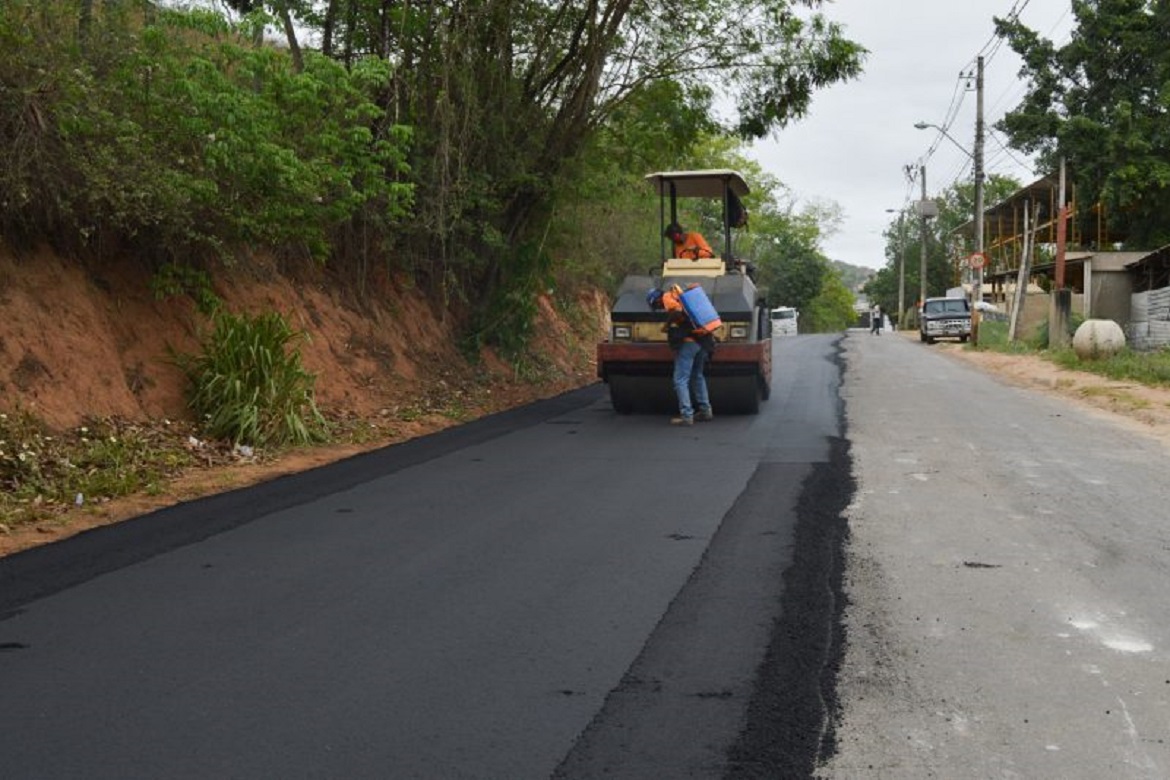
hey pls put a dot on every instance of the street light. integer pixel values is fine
(963, 149)
(901, 263)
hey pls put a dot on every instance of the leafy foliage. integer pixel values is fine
(248, 387)
(182, 133)
(507, 97)
(784, 244)
(1100, 102)
(832, 308)
(166, 130)
(173, 279)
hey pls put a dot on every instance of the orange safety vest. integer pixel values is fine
(672, 302)
(693, 245)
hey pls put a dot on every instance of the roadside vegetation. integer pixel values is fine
(1127, 365)
(488, 153)
(1150, 368)
(248, 386)
(468, 147)
(43, 472)
(490, 156)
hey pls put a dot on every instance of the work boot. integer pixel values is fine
(705, 415)
(682, 420)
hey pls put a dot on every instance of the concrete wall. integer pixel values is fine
(1033, 315)
(1036, 310)
(1111, 297)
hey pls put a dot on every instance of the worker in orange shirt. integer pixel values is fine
(689, 244)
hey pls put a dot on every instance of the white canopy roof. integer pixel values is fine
(698, 184)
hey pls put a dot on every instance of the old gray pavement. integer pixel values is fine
(1007, 574)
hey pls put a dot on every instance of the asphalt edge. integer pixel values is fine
(790, 724)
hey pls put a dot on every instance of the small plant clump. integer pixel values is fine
(249, 388)
(43, 474)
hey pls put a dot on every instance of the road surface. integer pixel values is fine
(556, 591)
(901, 568)
(1006, 575)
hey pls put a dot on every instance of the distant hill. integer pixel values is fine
(854, 276)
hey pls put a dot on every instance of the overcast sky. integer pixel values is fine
(858, 138)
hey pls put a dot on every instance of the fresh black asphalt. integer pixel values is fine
(553, 591)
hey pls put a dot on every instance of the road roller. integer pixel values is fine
(635, 360)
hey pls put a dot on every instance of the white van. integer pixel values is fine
(784, 321)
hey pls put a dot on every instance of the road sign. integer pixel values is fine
(977, 260)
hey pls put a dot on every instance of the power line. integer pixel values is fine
(1007, 150)
(1004, 158)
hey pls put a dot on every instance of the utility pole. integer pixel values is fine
(977, 285)
(1061, 308)
(1025, 271)
(922, 234)
(901, 267)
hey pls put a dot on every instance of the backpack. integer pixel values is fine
(700, 310)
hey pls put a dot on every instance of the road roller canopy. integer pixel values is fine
(699, 184)
(721, 184)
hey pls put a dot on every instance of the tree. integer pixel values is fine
(505, 95)
(169, 133)
(501, 101)
(832, 308)
(1100, 102)
(784, 245)
(782, 241)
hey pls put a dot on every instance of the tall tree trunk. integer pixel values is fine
(327, 28)
(351, 18)
(290, 34)
(84, 23)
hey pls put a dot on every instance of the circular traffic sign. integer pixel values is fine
(977, 260)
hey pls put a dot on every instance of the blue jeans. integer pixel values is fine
(689, 362)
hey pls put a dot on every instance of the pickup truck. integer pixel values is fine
(944, 318)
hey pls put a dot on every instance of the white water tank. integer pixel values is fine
(1098, 338)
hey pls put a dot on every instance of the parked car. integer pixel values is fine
(944, 318)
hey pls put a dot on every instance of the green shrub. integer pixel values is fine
(249, 388)
(169, 129)
(174, 279)
(993, 335)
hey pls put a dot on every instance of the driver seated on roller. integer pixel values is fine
(687, 243)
